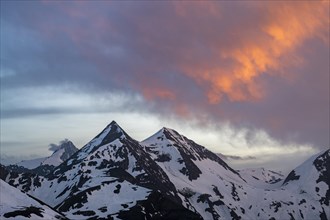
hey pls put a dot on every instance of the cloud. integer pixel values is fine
(55, 147)
(264, 48)
(235, 157)
(64, 99)
(256, 65)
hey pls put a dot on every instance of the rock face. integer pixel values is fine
(169, 176)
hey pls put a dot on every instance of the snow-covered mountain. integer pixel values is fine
(200, 176)
(216, 191)
(183, 157)
(169, 176)
(64, 151)
(44, 166)
(15, 204)
(313, 178)
(111, 169)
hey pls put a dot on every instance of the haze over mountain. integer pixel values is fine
(168, 176)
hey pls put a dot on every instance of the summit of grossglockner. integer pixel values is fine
(168, 176)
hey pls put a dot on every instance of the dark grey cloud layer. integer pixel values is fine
(177, 56)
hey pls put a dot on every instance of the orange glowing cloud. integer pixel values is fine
(242, 41)
(281, 29)
(151, 93)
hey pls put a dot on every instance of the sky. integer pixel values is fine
(248, 79)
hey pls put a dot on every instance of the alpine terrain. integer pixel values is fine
(168, 176)
(45, 165)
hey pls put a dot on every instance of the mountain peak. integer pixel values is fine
(166, 129)
(164, 132)
(167, 141)
(168, 132)
(68, 149)
(65, 144)
(109, 134)
(114, 127)
(65, 150)
(113, 122)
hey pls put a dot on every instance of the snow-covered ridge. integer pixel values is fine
(15, 204)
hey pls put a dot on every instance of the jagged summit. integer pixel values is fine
(109, 134)
(114, 124)
(111, 129)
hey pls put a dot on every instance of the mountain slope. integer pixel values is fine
(168, 176)
(216, 191)
(115, 165)
(197, 173)
(18, 205)
(262, 178)
(312, 178)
